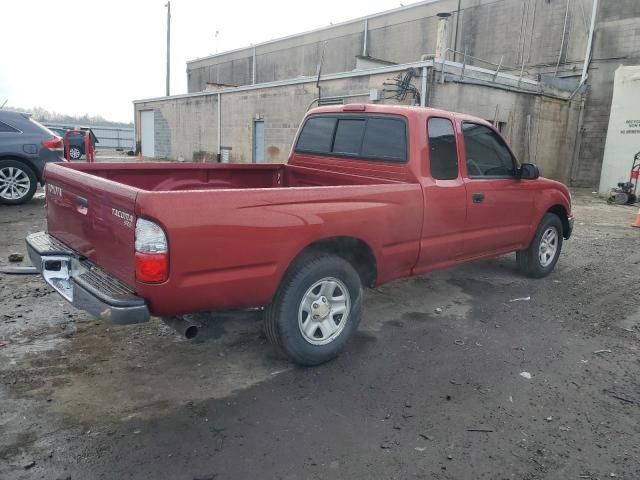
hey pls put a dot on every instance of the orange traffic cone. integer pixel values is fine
(637, 222)
(139, 157)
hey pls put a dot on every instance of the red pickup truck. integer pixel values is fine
(370, 193)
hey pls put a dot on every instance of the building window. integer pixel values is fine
(487, 154)
(443, 156)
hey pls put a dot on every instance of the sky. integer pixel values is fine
(96, 56)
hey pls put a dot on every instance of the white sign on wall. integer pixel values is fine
(623, 135)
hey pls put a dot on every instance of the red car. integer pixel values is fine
(370, 193)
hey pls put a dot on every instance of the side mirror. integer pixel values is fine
(528, 171)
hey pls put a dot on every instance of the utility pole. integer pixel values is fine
(168, 5)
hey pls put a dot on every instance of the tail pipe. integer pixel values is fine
(184, 327)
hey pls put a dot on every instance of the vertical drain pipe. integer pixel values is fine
(365, 40)
(441, 39)
(423, 92)
(564, 32)
(253, 67)
(587, 57)
(455, 38)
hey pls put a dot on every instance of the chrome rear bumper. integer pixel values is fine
(83, 284)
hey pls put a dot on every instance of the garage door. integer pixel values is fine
(147, 133)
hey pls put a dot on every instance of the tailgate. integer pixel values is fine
(94, 216)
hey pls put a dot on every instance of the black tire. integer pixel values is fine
(12, 167)
(529, 260)
(75, 153)
(283, 324)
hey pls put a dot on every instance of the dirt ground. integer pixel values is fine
(419, 393)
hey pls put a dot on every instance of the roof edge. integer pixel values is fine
(315, 30)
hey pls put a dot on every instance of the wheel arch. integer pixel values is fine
(354, 250)
(560, 211)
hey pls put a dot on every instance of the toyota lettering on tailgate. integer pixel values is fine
(54, 189)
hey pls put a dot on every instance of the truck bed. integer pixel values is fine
(168, 177)
(230, 227)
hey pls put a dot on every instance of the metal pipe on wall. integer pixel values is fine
(365, 38)
(423, 91)
(253, 67)
(587, 57)
(441, 39)
(564, 32)
(455, 37)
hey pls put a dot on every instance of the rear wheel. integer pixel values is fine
(75, 153)
(541, 257)
(317, 308)
(18, 183)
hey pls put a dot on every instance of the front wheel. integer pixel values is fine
(541, 257)
(316, 309)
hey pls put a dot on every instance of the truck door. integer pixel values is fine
(499, 205)
(444, 198)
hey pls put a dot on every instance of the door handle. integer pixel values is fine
(478, 197)
(82, 205)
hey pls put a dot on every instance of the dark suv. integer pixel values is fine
(25, 148)
(76, 140)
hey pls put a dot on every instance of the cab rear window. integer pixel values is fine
(366, 136)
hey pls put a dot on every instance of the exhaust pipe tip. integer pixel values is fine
(190, 332)
(184, 327)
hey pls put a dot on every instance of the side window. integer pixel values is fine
(487, 154)
(348, 136)
(4, 128)
(316, 135)
(443, 156)
(385, 139)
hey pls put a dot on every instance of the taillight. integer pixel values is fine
(54, 143)
(152, 252)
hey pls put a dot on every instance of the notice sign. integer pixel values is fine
(632, 126)
(623, 134)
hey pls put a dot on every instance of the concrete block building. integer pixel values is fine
(541, 70)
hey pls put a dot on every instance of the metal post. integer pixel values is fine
(168, 5)
(219, 123)
(587, 57)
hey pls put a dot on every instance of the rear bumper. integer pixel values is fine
(83, 284)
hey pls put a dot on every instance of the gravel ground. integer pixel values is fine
(419, 393)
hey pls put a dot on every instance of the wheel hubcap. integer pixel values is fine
(14, 183)
(324, 311)
(548, 246)
(74, 153)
